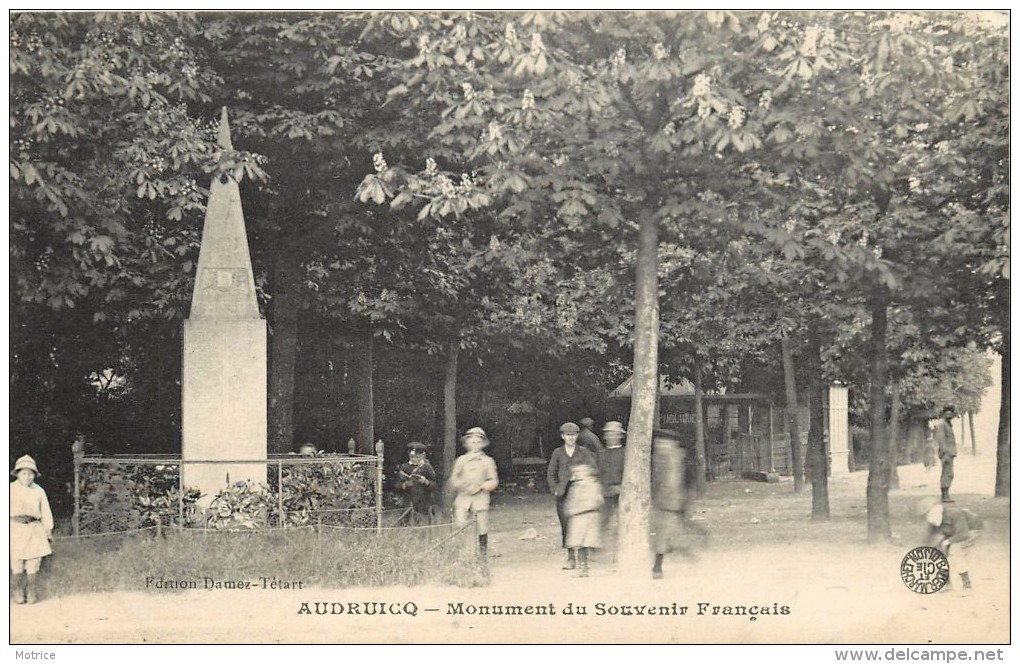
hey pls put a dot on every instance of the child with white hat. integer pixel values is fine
(473, 478)
(31, 529)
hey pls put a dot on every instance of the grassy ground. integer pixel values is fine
(333, 558)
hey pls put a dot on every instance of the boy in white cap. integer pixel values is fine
(473, 478)
(31, 529)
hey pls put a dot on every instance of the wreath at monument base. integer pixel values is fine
(241, 506)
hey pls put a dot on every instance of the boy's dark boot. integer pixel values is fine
(583, 560)
(30, 595)
(571, 559)
(945, 496)
(657, 568)
(18, 586)
(483, 544)
(965, 577)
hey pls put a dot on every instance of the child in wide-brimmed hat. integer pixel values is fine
(31, 529)
(473, 478)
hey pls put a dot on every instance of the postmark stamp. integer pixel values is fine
(924, 570)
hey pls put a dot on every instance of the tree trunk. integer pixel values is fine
(699, 429)
(973, 437)
(635, 496)
(450, 407)
(878, 469)
(366, 398)
(657, 416)
(894, 436)
(791, 415)
(283, 356)
(817, 454)
(727, 438)
(166, 415)
(1002, 453)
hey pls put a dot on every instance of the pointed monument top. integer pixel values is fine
(224, 281)
(224, 135)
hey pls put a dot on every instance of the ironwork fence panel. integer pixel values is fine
(115, 493)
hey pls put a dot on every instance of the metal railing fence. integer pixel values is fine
(132, 491)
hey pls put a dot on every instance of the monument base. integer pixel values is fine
(223, 391)
(211, 478)
(839, 463)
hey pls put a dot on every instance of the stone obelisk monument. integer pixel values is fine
(223, 386)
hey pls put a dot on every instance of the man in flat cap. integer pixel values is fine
(417, 481)
(561, 464)
(945, 443)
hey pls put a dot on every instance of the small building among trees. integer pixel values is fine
(745, 433)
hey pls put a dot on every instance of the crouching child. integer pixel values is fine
(952, 530)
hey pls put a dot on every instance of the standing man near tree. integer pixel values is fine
(611, 471)
(945, 443)
(589, 438)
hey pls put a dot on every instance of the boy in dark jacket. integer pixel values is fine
(416, 479)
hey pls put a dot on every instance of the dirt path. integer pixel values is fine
(838, 591)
